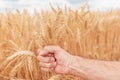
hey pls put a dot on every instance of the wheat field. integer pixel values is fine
(90, 34)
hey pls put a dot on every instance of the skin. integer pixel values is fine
(57, 59)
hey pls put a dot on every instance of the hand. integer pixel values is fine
(54, 58)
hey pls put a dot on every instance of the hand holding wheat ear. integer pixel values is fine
(59, 62)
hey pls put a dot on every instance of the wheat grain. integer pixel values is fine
(84, 33)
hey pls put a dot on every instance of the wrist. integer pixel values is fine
(77, 66)
(73, 63)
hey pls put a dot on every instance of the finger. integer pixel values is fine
(52, 49)
(47, 65)
(43, 53)
(46, 59)
(47, 69)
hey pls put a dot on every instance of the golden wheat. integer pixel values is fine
(85, 33)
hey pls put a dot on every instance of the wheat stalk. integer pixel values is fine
(91, 34)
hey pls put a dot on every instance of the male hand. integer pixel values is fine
(54, 58)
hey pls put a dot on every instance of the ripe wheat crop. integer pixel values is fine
(90, 34)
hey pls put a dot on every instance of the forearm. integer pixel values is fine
(95, 69)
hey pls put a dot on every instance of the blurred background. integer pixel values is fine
(30, 5)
